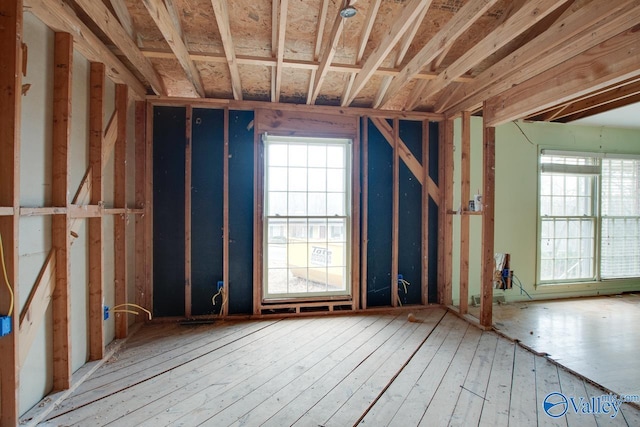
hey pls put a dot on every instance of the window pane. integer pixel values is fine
(317, 179)
(277, 204)
(297, 204)
(277, 179)
(277, 155)
(317, 155)
(297, 155)
(297, 179)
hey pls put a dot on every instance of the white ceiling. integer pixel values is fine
(623, 117)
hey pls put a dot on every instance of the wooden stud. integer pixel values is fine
(10, 103)
(465, 193)
(425, 214)
(355, 220)
(148, 209)
(489, 178)
(140, 202)
(120, 201)
(225, 216)
(395, 220)
(187, 211)
(364, 233)
(96, 230)
(258, 183)
(447, 220)
(61, 300)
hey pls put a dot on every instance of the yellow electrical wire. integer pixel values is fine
(125, 311)
(131, 311)
(6, 279)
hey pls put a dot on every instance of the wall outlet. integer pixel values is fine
(220, 285)
(106, 312)
(5, 325)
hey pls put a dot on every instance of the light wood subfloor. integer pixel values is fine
(372, 369)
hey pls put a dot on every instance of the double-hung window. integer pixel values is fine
(589, 218)
(307, 222)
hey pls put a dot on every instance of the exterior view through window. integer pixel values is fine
(307, 222)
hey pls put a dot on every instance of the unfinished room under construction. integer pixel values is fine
(319, 212)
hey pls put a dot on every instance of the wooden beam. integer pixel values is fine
(161, 17)
(258, 203)
(110, 137)
(446, 183)
(327, 56)
(124, 17)
(568, 37)
(608, 63)
(399, 27)
(488, 198)
(221, 11)
(61, 301)
(521, 20)
(407, 157)
(120, 221)
(225, 216)
(10, 104)
(59, 16)
(465, 193)
(96, 230)
(175, 18)
(282, 29)
(187, 209)
(449, 33)
(617, 103)
(102, 17)
(405, 43)
(355, 219)
(395, 214)
(140, 203)
(35, 307)
(148, 208)
(425, 216)
(364, 228)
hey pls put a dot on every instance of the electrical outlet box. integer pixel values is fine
(400, 277)
(106, 312)
(5, 325)
(220, 284)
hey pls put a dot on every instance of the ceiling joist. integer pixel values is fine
(120, 8)
(221, 11)
(282, 29)
(327, 56)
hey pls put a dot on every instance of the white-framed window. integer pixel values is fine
(307, 217)
(589, 217)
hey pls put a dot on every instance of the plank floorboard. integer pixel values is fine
(523, 408)
(547, 381)
(572, 386)
(495, 408)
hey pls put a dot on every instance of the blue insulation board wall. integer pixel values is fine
(207, 190)
(169, 125)
(240, 212)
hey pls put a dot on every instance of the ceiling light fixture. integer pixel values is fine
(348, 11)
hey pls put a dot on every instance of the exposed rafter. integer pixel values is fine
(400, 26)
(221, 10)
(458, 24)
(103, 18)
(175, 18)
(322, 19)
(282, 27)
(327, 56)
(520, 20)
(161, 17)
(120, 8)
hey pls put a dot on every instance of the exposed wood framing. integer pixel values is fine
(140, 203)
(425, 215)
(221, 10)
(225, 216)
(446, 220)
(322, 19)
(405, 43)
(601, 66)
(59, 16)
(521, 20)
(282, 29)
(61, 300)
(399, 27)
(327, 56)
(121, 11)
(569, 36)
(148, 208)
(10, 100)
(120, 202)
(96, 230)
(488, 198)
(409, 159)
(175, 19)
(395, 214)
(165, 24)
(457, 25)
(465, 192)
(258, 212)
(364, 233)
(617, 103)
(188, 170)
(355, 219)
(101, 15)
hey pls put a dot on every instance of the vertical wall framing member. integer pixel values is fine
(96, 228)
(10, 102)
(425, 214)
(488, 199)
(225, 216)
(465, 193)
(140, 202)
(395, 213)
(364, 236)
(148, 208)
(187, 211)
(61, 305)
(258, 166)
(446, 220)
(120, 199)
(355, 220)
